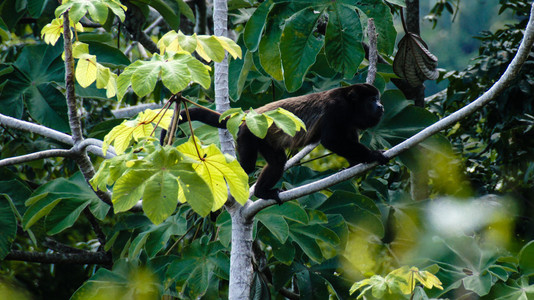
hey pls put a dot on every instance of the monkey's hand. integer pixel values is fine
(379, 157)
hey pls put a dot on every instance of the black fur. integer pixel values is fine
(332, 117)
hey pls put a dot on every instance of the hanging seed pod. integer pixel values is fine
(413, 61)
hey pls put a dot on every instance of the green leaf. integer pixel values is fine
(186, 10)
(144, 77)
(160, 196)
(176, 70)
(257, 123)
(64, 215)
(201, 261)
(286, 121)
(381, 13)
(197, 192)
(106, 54)
(307, 237)
(61, 201)
(299, 46)
(343, 46)
(237, 116)
(526, 259)
(97, 9)
(8, 225)
(175, 76)
(129, 189)
(289, 210)
(125, 281)
(255, 25)
(30, 86)
(276, 224)
(171, 17)
(269, 47)
(218, 171)
(357, 210)
(239, 68)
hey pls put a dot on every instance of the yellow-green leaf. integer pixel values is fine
(79, 49)
(51, 32)
(230, 46)
(160, 196)
(218, 171)
(86, 70)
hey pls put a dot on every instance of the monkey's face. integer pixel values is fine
(371, 111)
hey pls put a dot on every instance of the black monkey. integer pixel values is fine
(332, 117)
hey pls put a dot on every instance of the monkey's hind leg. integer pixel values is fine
(271, 173)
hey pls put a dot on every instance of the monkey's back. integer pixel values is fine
(310, 109)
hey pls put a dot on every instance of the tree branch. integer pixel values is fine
(373, 51)
(511, 72)
(35, 156)
(93, 145)
(85, 258)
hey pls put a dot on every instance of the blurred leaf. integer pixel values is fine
(357, 210)
(201, 260)
(8, 225)
(526, 259)
(125, 281)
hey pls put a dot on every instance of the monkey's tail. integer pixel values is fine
(202, 115)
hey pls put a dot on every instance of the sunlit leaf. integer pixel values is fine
(86, 70)
(97, 9)
(123, 135)
(218, 171)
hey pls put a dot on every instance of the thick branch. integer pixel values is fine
(74, 119)
(93, 145)
(85, 258)
(129, 112)
(508, 76)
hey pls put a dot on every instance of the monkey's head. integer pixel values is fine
(366, 106)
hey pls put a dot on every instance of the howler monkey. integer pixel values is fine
(332, 117)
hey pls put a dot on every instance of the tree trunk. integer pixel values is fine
(418, 177)
(241, 254)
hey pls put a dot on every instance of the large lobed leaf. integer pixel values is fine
(176, 72)
(209, 47)
(218, 171)
(97, 9)
(156, 179)
(61, 201)
(142, 127)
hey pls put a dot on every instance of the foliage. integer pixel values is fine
(176, 242)
(399, 281)
(260, 123)
(502, 129)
